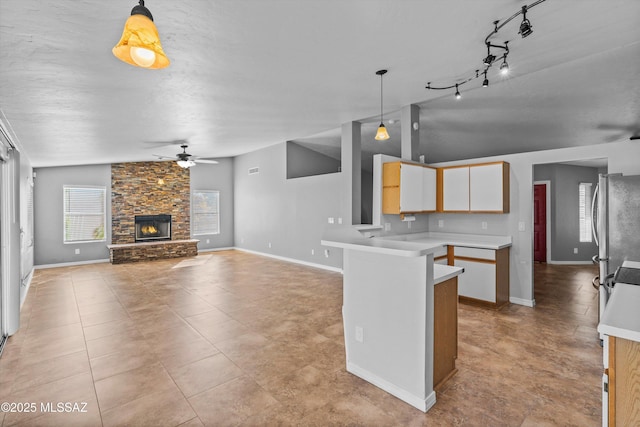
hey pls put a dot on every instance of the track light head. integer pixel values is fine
(485, 82)
(489, 58)
(525, 25)
(457, 95)
(504, 67)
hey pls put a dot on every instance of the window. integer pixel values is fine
(205, 208)
(585, 211)
(84, 214)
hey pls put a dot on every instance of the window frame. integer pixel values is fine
(585, 197)
(65, 213)
(193, 213)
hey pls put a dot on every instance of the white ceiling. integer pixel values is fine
(246, 74)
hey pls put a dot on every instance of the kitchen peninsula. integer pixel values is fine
(396, 336)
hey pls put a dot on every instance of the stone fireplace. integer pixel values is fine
(150, 212)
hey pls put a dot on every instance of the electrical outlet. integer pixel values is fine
(521, 226)
(269, 245)
(78, 251)
(331, 220)
(208, 241)
(409, 224)
(313, 251)
(440, 223)
(359, 334)
(387, 226)
(326, 253)
(575, 250)
(484, 225)
(339, 220)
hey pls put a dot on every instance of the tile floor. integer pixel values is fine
(230, 338)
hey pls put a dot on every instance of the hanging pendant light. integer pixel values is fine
(140, 43)
(382, 134)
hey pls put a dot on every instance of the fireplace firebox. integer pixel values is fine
(153, 227)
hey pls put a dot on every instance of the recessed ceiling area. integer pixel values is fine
(250, 74)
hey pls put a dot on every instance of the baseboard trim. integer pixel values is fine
(570, 262)
(26, 283)
(292, 260)
(227, 248)
(522, 301)
(423, 404)
(69, 264)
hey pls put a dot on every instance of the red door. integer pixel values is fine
(540, 223)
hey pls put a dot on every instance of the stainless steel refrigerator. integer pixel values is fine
(616, 228)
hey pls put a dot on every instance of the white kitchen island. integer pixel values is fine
(388, 312)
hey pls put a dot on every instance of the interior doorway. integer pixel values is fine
(540, 192)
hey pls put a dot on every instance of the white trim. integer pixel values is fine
(423, 404)
(570, 262)
(23, 294)
(70, 264)
(547, 190)
(228, 248)
(293, 260)
(522, 301)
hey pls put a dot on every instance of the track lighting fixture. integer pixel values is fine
(491, 58)
(525, 25)
(382, 134)
(140, 43)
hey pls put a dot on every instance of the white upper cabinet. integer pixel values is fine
(489, 184)
(429, 189)
(411, 188)
(408, 188)
(455, 189)
(476, 188)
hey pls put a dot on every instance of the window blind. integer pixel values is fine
(584, 194)
(84, 214)
(205, 208)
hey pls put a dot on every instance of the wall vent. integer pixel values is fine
(253, 171)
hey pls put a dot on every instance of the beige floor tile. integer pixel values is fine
(32, 371)
(231, 403)
(167, 408)
(205, 374)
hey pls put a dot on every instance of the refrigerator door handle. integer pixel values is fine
(593, 215)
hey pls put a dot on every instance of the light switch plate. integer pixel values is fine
(521, 226)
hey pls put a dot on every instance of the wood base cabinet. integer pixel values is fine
(445, 331)
(624, 382)
(486, 278)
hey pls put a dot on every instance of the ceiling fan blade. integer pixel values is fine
(164, 157)
(211, 162)
(634, 137)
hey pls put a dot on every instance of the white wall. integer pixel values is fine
(622, 158)
(289, 214)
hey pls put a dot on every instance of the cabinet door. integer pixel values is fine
(429, 189)
(410, 188)
(478, 280)
(487, 188)
(455, 189)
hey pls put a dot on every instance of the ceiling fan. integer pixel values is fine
(186, 160)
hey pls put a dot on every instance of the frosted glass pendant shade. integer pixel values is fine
(382, 133)
(140, 44)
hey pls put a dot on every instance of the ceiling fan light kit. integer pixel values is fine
(140, 43)
(525, 30)
(186, 160)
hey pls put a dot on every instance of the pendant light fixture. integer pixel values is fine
(140, 43)
(382, 134)
(525, 25)
(457, 94)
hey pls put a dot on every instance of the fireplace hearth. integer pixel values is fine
(152, 227)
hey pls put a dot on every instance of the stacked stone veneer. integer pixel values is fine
(149, 188)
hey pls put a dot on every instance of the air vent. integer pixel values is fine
(253, 171)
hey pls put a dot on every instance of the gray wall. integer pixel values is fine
(564, 221)
(302, 161)
(290, 214)
(48, 219)
(217, 177)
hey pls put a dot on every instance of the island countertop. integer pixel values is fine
(412, 245)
